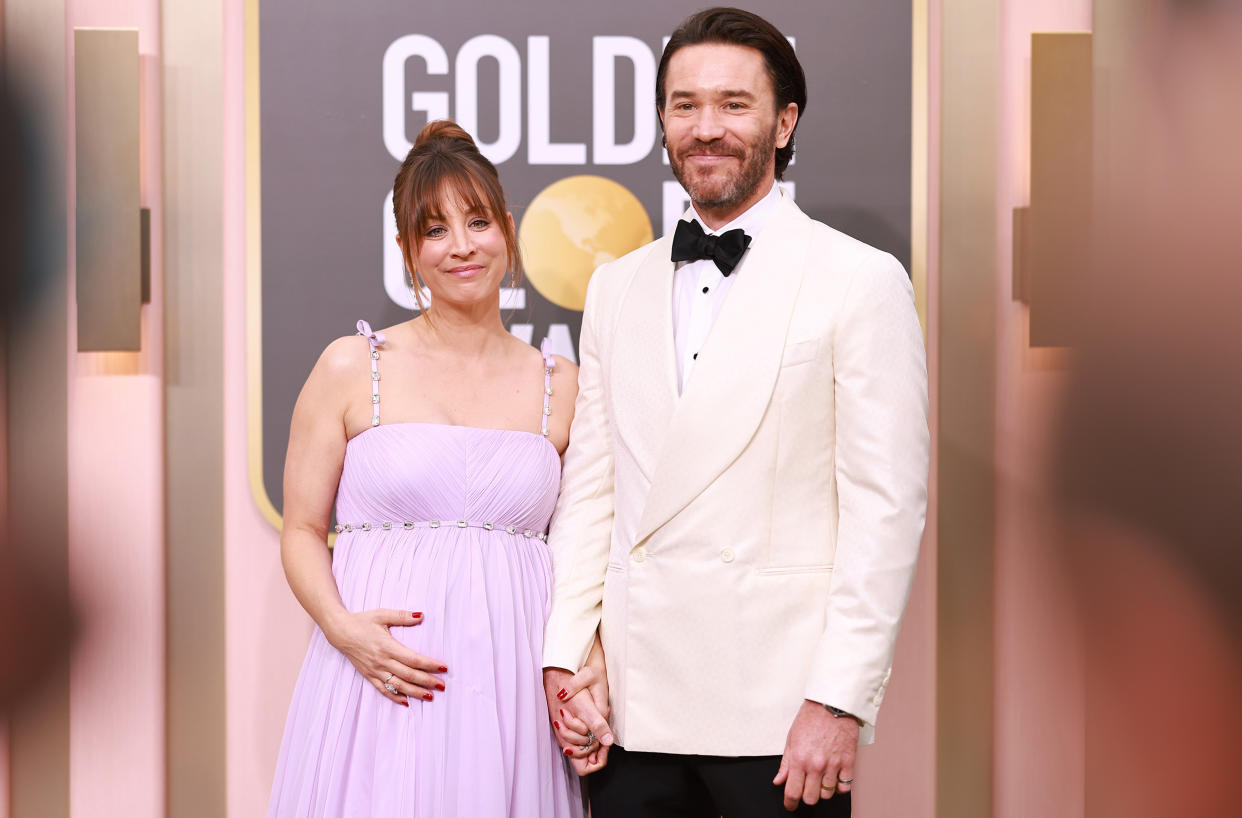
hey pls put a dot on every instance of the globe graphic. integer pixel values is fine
(574, 225)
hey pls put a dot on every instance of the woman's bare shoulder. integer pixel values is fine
(343, 358)
(565, 368)
(340, 374)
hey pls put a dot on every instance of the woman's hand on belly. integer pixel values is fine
(397, 672)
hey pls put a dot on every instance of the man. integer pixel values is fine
(745, 487)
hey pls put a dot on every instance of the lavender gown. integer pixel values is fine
(447, 520)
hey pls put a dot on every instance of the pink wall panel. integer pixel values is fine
(116, 530)
(1040, 674)
(116, 727)
(266, 630)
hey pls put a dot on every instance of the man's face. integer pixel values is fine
(721, 125)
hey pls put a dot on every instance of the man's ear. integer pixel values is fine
(786, 120)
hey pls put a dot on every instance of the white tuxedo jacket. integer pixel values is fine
(751, 542)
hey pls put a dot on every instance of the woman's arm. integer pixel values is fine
(313, 464)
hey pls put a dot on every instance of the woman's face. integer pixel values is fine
(463, 257)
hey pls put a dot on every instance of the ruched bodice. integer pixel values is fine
(425, 471)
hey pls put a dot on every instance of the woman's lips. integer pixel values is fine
(466, 270)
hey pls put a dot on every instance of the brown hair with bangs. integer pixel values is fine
(446, 166)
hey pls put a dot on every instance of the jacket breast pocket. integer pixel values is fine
(799, 352)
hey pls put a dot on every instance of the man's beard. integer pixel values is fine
(714, 193)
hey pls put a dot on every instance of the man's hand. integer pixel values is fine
(574, 711)
(819, 755)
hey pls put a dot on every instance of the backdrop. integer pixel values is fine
(561, 96)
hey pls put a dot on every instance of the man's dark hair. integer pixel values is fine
(738, 27)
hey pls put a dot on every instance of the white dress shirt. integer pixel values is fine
(699, 289)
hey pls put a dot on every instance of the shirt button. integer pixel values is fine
(696, 356)
(705, 289)
(726, 555)
(639, 555)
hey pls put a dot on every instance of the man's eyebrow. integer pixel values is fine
(732, 93)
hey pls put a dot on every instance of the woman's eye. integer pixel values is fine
(436, 232)
(480, 224)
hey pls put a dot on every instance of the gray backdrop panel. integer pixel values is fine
(326, 170)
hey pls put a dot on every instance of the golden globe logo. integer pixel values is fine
(573, 226)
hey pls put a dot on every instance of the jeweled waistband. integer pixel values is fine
(408, 525)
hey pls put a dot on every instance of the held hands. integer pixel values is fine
(578, 703)
(383, 661)
(819, 755)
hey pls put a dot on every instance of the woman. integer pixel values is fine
(439, 440)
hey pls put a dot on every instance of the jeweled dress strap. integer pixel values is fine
(375, 340)
(549, 363)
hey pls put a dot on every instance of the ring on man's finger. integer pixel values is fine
(845, 781)
(590, 739)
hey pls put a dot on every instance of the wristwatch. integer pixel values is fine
(838, 713)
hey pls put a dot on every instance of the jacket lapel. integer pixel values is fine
(732, 382)
(644, 367)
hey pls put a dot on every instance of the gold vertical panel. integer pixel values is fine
(1059, 220)
(965, 607)
(919, 172)
(193, 264)
(109, 256)
(35, 391)
(254, 289)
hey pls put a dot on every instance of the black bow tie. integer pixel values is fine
(691, 243)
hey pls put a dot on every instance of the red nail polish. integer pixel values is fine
(439, 687)
(562, 712)
(416, 615)
(428, 696)
(561, 695)
(568, 751)
(404, 704)
(557, 725)
(443, 669)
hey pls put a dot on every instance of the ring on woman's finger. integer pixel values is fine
(389, 686)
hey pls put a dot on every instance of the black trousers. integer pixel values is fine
(662, 785)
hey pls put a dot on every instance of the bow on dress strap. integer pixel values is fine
(548, 361)
(376, 338)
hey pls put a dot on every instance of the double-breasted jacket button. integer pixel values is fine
(639, 554)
